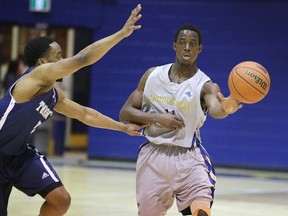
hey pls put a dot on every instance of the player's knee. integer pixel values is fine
(201, 207)
(65, 202)
(202, 212)
(59, 200)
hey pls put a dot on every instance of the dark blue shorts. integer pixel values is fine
(29, 172)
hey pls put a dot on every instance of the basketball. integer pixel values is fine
(249, 82)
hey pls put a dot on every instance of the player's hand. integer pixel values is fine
(133, 129)
(170, 121)
(229, 105)
(130, 26)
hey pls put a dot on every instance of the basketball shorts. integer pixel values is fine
(166, 172)
(30, 173)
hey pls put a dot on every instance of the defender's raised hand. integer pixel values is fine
(130, 26)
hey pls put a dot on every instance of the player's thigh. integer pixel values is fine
(38, 177)
(193, 179)
(153, 192)
(152, 203)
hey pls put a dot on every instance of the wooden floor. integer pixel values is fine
(108, 188)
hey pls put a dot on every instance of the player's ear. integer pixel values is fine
(174, 46)
(40, 61)
(200, 48)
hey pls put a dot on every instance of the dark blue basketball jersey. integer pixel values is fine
(19, 120)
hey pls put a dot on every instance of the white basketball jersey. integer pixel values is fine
(183, 100)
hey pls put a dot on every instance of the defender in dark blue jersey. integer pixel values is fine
(31, 100)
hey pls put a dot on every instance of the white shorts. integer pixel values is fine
(166, 172)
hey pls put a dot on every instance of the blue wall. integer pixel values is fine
(233, 31)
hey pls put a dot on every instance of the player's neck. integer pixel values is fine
(179, 73)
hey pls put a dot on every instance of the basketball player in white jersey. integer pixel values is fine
(174, 100)
(31, 100)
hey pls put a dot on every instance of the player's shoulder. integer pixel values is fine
(202, 73)
(150, 70)
(159, 68)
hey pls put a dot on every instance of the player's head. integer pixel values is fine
(187, 44)
(41, 50)
(188, 27)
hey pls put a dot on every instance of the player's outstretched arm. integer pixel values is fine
(96, 50)
(44, 75)
(92, 117)
(50, 72)
(218, 106)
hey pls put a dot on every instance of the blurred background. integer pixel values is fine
(233, 31)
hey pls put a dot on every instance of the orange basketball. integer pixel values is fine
(249, 82)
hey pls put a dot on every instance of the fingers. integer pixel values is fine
(180, 124)
(135, 129)
(135, 20)
(130, 26)
(135, 16)
(176, 124)
(142, 126)
(136, 133)
(136, 10)
(220, 96)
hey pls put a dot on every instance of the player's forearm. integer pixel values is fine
(96, 119)
(136, 116)
(98, 49)
(215, 108)
(217, 112)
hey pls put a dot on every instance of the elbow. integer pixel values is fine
(122, 115)
(126, 115)
(82, 59)
(121, 118)
(218, 115)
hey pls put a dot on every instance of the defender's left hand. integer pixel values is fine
(130, 26)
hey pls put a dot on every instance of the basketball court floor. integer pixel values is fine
(108, 188)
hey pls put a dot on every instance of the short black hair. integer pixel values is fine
(36, 48)
(188, 27)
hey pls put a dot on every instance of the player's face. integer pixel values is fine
(187, 47)
(55, 53)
